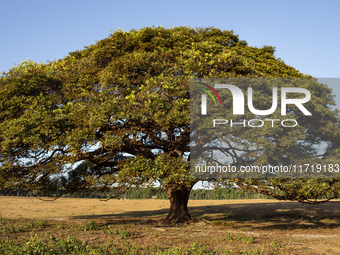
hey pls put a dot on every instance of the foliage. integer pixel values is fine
(126, 95)
(116, 114)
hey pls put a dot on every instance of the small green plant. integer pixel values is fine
(273, 243)
(92, 225)
(41, 223)
(60, 226)
(121, 234)
(53, 238)
(243, 238)
(29, 225)
(35, 224)
(247, 240)
(253, 252)
(112, 230)
(124, 234)
(9, 227)
(228, 237)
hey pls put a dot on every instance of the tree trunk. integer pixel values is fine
(179, 212)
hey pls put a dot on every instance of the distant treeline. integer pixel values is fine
(221, 193)
(155, 193)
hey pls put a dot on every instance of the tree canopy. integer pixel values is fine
(117, 113)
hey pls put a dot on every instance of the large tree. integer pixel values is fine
(116, 114)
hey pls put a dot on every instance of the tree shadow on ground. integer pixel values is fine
(266, 216)
(262, 216)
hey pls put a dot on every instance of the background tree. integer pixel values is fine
(116, 114)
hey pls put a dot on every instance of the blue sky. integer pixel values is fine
(306, 33)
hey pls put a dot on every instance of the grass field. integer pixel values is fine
(90, 226)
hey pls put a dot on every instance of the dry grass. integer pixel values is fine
(237, 226)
